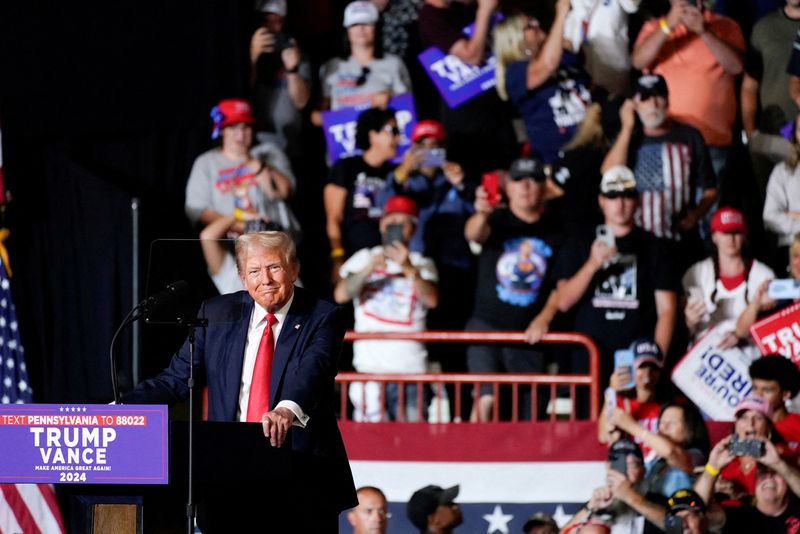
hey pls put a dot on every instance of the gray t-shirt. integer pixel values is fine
(347, 84)
(222, 185)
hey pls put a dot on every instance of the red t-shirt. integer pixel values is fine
(789, 429)
(646, 414)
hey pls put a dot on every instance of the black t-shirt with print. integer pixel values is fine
(362, 212)
(515, 270)
(619, 304)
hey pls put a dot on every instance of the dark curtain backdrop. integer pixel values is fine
(101, 102)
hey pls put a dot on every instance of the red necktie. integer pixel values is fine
(258, 402)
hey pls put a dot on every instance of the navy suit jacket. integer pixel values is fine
(304, 366)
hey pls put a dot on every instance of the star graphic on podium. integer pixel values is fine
(498, 521)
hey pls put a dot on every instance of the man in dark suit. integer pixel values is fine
(296, 394)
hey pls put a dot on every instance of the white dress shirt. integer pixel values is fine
(258, 321)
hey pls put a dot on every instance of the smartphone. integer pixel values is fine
(623, 359)
(604, 234)
(695, 293)
(490, 181)
(433, 157)
(394, 232)
(611, 400)
(784, 289)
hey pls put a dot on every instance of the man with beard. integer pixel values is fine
(670, 160)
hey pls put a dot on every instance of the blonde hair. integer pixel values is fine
(590, 130)
(272, 240)
(795, 246)
(509, 46)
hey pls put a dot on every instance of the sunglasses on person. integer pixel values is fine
(394, 130)
(538, 178)
(620, 194)
(362, 78)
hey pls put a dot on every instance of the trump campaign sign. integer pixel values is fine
(779, 333)
(86, 444)
(715, 380)
(340, 127)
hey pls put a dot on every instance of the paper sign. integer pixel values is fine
(715, 380)
(340, 127)
(779, 333)
(86, 444)
(455, 80)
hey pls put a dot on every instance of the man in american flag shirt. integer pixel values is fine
(674, 176)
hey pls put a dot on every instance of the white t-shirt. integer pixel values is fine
(389, 303)
(728, 304)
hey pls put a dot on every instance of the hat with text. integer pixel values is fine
(527, 168)
(425, 501)
(754, 403)
(231, 111)
(625, 447)
(618, 179)
(428, 128)
(277, 7)
(401, 204)
(360, 12)
(728, 221)
(645, 351)
(685, 499)
(650, 85)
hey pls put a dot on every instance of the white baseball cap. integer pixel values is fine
(360, 12)
(277, 7)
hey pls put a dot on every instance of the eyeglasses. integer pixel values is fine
(620, 194)
(362, 78)
(394, 130)
(538, 178)
(533, 24)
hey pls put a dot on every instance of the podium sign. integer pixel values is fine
(84, 444)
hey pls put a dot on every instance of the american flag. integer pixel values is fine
(24, 508)
(662, 177)
(506, 471)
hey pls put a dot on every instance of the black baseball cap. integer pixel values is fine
(527, 168)
(685, 499)
(650, 85)
(425, 501)
(626, 447)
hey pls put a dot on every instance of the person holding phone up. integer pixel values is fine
(392, 289)
(620, 280)
(515, 289)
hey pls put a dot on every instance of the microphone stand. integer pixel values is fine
(191, 324)
(134, 315)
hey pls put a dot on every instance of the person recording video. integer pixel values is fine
(280, 76)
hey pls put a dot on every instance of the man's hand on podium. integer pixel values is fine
(276, 424)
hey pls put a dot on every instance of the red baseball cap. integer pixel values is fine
(231, 111)
(428, 128)
(400, 204)
(728, 220)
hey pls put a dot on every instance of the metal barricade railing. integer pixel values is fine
(459, 381)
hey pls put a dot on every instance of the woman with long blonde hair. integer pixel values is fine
(543, 80)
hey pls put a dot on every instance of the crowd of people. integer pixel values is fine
(630, 172)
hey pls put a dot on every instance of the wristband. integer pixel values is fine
(337, 252)
(238, 214)
(662, 23)
(294, 70)
(400, 176)
(711, 470)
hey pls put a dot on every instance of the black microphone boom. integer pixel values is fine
(173, 291)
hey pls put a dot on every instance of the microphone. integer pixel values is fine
(173, 291)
